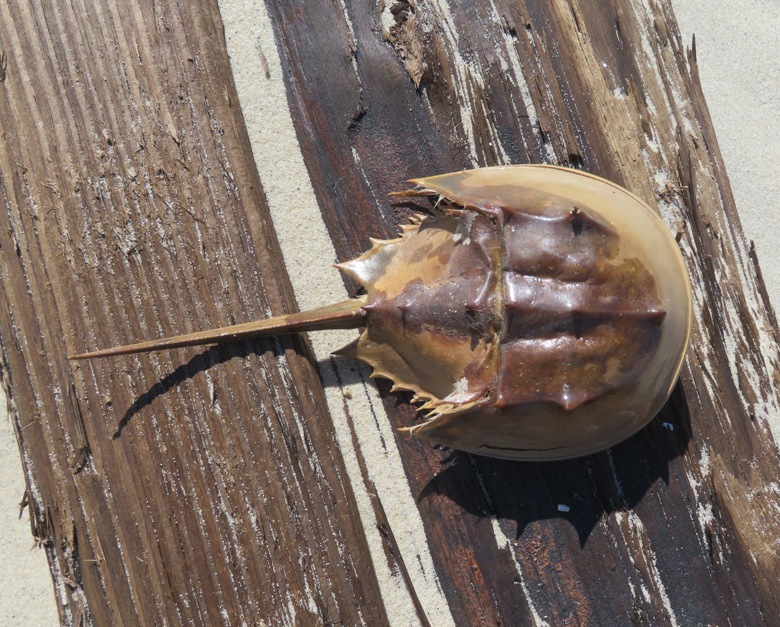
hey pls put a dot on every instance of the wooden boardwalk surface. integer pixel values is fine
(150, 187)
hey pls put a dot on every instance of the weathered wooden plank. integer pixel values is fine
(653, 529)
(192, 488)
(150, 219)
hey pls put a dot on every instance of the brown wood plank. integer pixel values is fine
(210, 489)
(177, 489)
(653, 531)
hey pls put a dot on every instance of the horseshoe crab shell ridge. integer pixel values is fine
(538, 313)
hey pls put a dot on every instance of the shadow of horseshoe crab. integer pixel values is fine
(581, 491)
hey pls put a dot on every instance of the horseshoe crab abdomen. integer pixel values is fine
(433, 308)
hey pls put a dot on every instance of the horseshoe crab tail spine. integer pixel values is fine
(348, 314)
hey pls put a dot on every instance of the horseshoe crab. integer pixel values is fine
(539, 313)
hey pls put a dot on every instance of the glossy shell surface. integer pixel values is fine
(540, 313)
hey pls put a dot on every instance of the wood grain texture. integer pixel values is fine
(199, 487)
(653, 533)
(209, 489)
